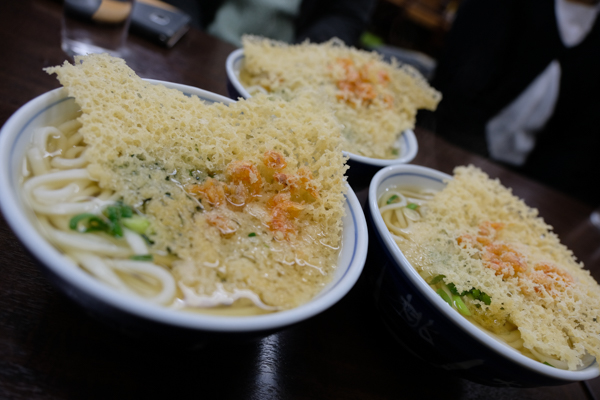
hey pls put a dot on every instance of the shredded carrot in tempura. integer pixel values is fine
(507, 261)
(358, 87)
(244, 184)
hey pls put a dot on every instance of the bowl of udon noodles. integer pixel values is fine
(454, 287)
(402, 149)
(99, 273)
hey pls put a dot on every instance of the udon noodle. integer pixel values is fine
(57, 187)
(401, 209)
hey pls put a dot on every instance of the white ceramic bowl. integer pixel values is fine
(407, 142)
(420, 319)
(131, 314)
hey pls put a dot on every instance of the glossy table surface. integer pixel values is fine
(51, 349)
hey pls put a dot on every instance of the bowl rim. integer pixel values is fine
(503, 350)
(41, 249)
(407, 136)
(231, 72)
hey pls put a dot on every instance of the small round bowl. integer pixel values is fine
(407, 142)
(424, 323)
(132, 315)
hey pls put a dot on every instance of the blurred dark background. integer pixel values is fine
(418, 25)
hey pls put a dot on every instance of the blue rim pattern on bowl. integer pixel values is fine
(406, 302)
(409, 145)
(13, 138)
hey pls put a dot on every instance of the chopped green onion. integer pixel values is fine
(444, 296)
(460, 305)
(437, 279)
(115, 230)
(115, 216)
(136, 223)
(142, 257)
(457, 300)
(453, 289)
(393, 199)
(91, 223)
(547, 363)
(126, 211)
(251, 234)
(485, 298)
(412, 206)
(113, 213)
(478, 295)
(95, 224)
(74, 222)
(395, 152)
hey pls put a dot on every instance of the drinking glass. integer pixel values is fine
(95, 26)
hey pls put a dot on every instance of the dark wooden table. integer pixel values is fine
(50, 349)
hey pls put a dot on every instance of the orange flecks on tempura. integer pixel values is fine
(503, 259)
(547, 277)
(212, 191)
(302, 180)
(506, 261)
(246, 174)
(358, 87)
(274, 160)
(283, 211)
(245, 183)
